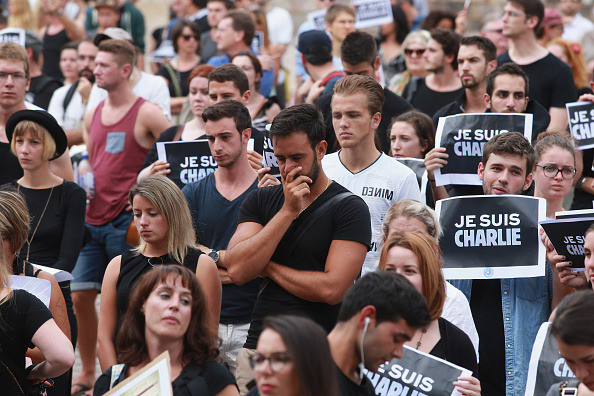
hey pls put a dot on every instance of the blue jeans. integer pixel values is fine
(109, 241)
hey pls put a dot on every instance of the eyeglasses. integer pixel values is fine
(500, 31)
(553, 171)
(557, 26)
(15, 76)
(278, 361)
(417, 52)
(187, 37)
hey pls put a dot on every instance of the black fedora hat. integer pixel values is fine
(44, 119)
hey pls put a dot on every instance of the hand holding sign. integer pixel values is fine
(435, 159)
(265, 179)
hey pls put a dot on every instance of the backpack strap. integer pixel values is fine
(173, 75)
(413, 86)
(330, 76)
(68, 98)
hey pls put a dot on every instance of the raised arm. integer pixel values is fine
(253, 245)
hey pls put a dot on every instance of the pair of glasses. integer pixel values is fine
(15, 76)
(417, 52)
(278, 361)
(187, 37)
(553, 171)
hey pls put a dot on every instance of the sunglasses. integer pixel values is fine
(187, 37)
(417, 52)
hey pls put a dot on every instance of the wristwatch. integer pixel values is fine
(580, 183)
(214, 255)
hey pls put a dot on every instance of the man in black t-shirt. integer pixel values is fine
(378, 315)
(441, 86)
(551, 80)
(214, 202)
(305, 237)
(359, 56)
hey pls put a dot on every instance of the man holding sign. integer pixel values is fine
(507, 312)
(214, 202)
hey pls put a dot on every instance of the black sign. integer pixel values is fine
(269, 159)
(189, 161)
(547, 367)
(491, 236)
(416, 373)
(567, 237)
(465, 135)
(581, 123)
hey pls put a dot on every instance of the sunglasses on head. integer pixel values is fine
(417, 52)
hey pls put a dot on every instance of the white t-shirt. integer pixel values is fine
(150, 87)
(456, 310)
(75, 111)
(380, 185)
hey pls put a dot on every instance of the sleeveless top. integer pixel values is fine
(134, 265)
(116, 158)
(52, 44)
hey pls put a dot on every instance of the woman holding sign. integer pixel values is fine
(417, 257)
(573, 329)
(168, 312)
(192, 130)
(164, 224)
(554, 170)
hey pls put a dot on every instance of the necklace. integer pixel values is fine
(30, 240)
(423, 331)
(155, 258)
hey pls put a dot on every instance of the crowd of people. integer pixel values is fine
(296, 283)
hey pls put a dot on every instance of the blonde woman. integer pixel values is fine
(163, 220)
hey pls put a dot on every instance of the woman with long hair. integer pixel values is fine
(573, 330)
(25, 321)
(185, 37)
(262, 110)
(418, 258)
(168, 312)
(191, 130)
(14, 221)
(164, 223)
(283, 363)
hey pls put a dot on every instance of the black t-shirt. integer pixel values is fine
(485, 304)
(208, 379)
(346, 220)
(10, 168)
(41, 90)
(21, 315)
(52, 46)
(215, 222)
(429, 101)
(455, 346)
(350, 388)
(394, 105)
(60, 231)
(550, 81)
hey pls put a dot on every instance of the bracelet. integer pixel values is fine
(431, 180)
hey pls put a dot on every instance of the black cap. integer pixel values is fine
(314, 42)
(44, 119)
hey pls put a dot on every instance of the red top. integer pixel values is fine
(116, 159)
